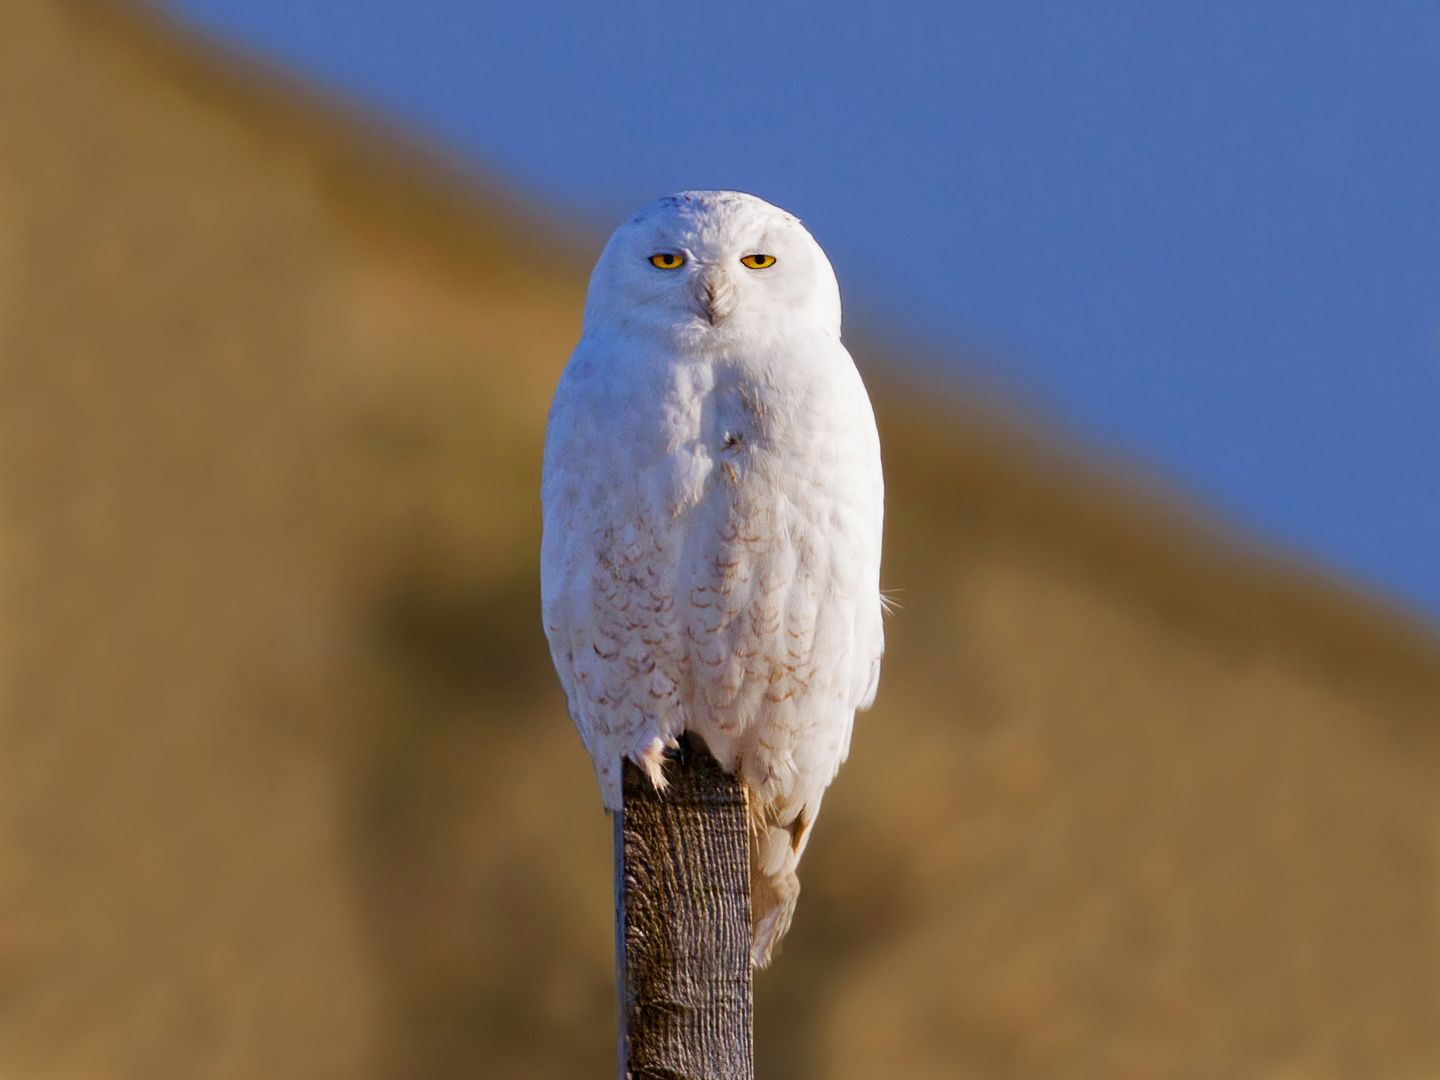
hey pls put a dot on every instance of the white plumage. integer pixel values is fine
(713, 498)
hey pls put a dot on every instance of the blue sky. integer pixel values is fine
(1207, 236)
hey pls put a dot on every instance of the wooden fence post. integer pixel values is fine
(682, 923)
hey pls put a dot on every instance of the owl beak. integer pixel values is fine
(714, 294)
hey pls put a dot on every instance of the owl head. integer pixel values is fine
(712, 265)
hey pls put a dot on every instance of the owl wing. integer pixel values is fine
(779, 578)
(608, 567)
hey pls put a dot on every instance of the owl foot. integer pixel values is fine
(652, 761)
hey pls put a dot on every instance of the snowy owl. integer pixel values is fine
(712, 516)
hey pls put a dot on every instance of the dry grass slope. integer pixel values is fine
(286, 785)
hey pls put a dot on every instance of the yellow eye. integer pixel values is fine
(758, 262)
(667, 260)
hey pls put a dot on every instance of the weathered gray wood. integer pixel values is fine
(682, 923)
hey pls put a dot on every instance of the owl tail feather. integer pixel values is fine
(774, 887)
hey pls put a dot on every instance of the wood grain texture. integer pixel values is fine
(682, 923)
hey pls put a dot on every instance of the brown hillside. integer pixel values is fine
(286, 784)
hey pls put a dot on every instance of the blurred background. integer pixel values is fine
(1149, 303)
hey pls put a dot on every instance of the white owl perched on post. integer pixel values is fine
(712, 503)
